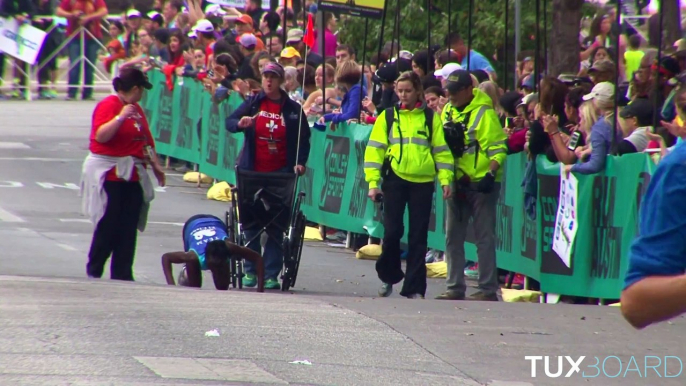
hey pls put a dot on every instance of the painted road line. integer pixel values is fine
(67, 247)
(13, 145)
(6, 216)
(83, 220)
(40, 159)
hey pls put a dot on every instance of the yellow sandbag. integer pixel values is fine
(618, 304)
(220, 191)
(437, 270)
(520, 296)
(193, 177)
(368, 252)
(312, 234)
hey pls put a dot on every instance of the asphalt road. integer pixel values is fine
(60, 329)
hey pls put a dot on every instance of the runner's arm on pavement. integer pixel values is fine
(654, 299)
(251, 256)
(170, 258)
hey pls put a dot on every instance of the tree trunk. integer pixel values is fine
(564, 37)
(672, 22)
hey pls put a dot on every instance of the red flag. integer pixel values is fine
(309, 33)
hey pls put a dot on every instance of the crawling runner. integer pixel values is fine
(207, 247)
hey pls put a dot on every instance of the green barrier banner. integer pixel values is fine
(608, 222)
(336, 191)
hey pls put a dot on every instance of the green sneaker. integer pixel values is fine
(249, 280)
(272, 284)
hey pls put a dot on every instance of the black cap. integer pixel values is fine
(509, 101)
(458, 81)
(387, 73)
(480, 75)
(641, 109)
(130, 77)
(669, 66)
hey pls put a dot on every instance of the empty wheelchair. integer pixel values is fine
(268, 202)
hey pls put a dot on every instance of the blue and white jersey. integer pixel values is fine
(201, 230)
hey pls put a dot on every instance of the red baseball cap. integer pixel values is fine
(245, 19)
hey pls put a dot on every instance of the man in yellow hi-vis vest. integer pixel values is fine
(470, 120)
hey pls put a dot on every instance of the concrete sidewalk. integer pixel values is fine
(92, 332)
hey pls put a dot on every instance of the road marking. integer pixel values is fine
(67, 247)
(50, 185)
(14, 145)
(83, 220)
(11, 184)
(41, 159)
(6, 216)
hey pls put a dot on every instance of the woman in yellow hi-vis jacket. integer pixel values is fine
(407, 150)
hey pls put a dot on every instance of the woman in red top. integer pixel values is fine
(116, 188)
(175, 47)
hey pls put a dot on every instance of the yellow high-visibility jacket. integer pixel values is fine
(485, 138)
(408, 150)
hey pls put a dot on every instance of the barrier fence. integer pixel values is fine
(186, 124)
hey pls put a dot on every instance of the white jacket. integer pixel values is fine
(93, 195)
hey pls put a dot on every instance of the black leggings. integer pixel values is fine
(116, 232)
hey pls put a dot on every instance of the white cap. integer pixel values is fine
(604, 91)
(214, 9)
(203, 25)
(152, 14)
(447, 70)
(192, 34)
(133, 13)
(405, 55)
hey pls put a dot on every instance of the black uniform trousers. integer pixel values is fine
(418, 197)
(117, 231)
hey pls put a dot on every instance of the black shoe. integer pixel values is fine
(483, 297)
(450, 295)
(415, 296)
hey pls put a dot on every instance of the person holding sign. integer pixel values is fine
(277, 139)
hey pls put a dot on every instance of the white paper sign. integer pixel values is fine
(22, 42)
(240, 4)
(566, 222)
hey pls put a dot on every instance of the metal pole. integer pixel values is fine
(428, 35)
(613, 148)
(537, 59)
(469, 34)
(506, 45)
(383, 26)
(364, 57)
(656, 105)
(450, 21)
(285, 22)
(322, 48)
(544, 67)
(82, 62)
(518, 35)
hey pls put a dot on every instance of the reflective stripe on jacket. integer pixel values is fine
(485, 138)
(408, 150)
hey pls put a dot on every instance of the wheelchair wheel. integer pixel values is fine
(231, 224)
(292, 252)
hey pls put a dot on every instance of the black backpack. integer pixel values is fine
(428, 121)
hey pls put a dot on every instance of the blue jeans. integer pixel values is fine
(273, 256)
(91, 53)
